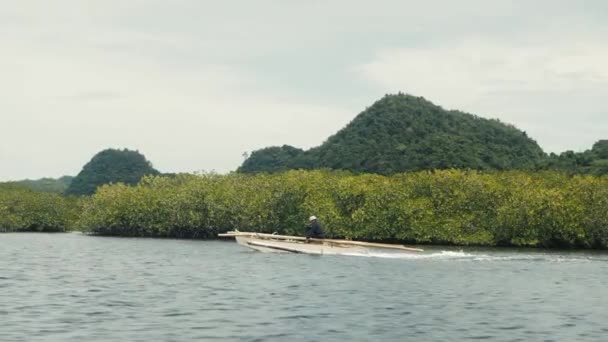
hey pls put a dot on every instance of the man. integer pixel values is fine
(314, 229)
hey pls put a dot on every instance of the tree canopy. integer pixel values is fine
(111, 166)
(407, 133)
(593, 161)
(272, 159)
(53, 185)
(509, 208)
(23, 209)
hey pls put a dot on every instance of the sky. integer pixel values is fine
(194, 84)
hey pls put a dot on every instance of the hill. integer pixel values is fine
(111, 166)
(407, 133)
(593, 161)
(53, 185)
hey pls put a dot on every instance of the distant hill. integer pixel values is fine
(593, 161)
(52, 185)
(111, 166)
(277, 158)
(406, 133)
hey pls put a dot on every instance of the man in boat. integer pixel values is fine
(314, 229)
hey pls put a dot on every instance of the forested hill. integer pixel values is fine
(593, 161)
(111, 166)
(407, 133)
(53, 185)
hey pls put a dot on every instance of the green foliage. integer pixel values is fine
(406, 133)
(593, 161)
(444, 207)
(53, 185)
(600, 149)
(512, 208)
(111, 166)
(271, 159)
(22, 209)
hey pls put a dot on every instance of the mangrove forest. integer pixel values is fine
(508, 208)
(404, 170)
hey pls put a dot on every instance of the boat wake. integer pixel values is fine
(465, 256)
(434, 255)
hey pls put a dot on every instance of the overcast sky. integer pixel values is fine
(193, 84)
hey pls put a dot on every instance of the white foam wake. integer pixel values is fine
(423, 255)
(472, 256)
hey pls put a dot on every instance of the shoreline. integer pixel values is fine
(430, 246)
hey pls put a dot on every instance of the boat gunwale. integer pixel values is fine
(330, 242)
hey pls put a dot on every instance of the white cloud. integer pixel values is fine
(183, 119)
(193, 83)
(539, 87)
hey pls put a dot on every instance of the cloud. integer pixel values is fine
(535, 86)
(96, 95)
(63, 110)
(461, 74)
(193, 84)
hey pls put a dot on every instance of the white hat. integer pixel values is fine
(312, 218)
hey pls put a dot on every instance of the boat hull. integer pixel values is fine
(284, 246)
(275, 243)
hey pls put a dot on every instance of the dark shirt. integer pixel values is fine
(315, 230)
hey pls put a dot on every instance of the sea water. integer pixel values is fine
(73, 287)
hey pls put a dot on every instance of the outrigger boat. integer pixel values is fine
(296, 244)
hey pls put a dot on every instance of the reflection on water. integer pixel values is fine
(69, 287)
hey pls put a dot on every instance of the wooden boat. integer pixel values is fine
(295, 244)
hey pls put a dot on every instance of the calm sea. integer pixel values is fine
(72, 287)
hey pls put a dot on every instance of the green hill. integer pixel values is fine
(111, 166)
(406, 133)
(593, 161)
(53, 185)
(274, 159)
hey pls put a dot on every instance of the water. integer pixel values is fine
(70, 287)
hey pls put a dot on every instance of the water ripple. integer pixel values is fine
(69, 287)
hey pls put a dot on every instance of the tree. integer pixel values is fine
(593, 161)
(111, 166)
(406, 133)
(271, 159)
